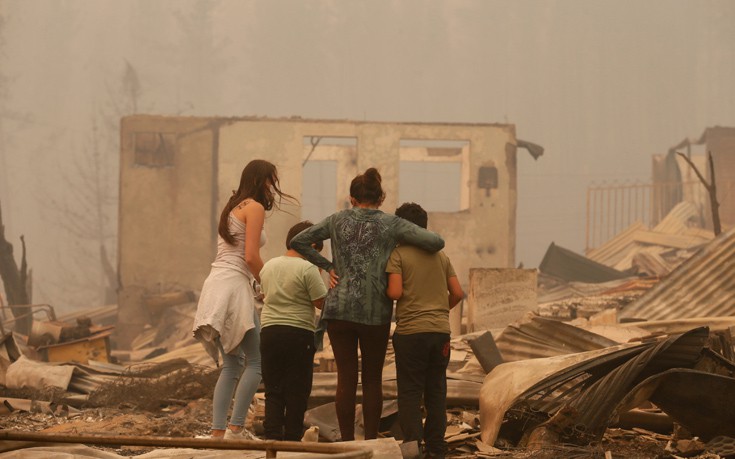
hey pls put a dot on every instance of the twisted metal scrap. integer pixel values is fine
(580, 402)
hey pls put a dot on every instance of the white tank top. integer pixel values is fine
(233, 255)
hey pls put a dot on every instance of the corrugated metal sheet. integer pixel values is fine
(615, 249)
(678, 218)
(702, 286)
(597, 404)
(633, 284)
(651, 263)
(574, 290)
(579, 290)
(540, 337)
(701, 402)
(671, 327)
(678, 241)
(582, 399)
(565, 264)
(626, 260)
(674, 230)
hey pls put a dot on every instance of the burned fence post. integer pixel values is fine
(711, 189)
(15, 281)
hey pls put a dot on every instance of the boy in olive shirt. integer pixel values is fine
(426, 288)
(293, 288)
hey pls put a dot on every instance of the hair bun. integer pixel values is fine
(373, 174)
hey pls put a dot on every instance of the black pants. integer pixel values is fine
(287, 360)
(373, 341)
(421, 370)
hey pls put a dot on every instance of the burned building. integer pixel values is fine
(177, 172)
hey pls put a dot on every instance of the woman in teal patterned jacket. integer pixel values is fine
(356, 309)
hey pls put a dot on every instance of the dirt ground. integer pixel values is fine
(193, 419)
(177, 403)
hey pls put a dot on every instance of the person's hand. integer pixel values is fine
(333, 278)
(258, 291)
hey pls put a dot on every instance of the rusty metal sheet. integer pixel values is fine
(700, 401)
(614, 250)
(508, 381)
(596, 404)
(565, 264)
(702, 286)
(579, 402)
(537, 337)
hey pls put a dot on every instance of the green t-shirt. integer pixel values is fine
(424, 305)
(290, 284)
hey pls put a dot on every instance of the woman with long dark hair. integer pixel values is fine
(226, 321)
(356, 309)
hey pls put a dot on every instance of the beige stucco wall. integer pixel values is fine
(499, 296)
(168, 215)
(165, 212)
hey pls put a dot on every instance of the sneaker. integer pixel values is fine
(243, 434)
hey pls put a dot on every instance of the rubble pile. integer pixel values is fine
(627, 366)
(152, 386)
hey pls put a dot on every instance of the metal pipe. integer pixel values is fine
(271, 447)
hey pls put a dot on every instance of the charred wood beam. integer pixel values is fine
(271, 447)
(15, 280)
(711, 188)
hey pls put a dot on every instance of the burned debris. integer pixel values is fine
(625, 351)
(548, 381)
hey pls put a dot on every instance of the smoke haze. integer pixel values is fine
(602, 85)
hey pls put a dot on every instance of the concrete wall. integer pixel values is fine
(499, 296)
(169, 213)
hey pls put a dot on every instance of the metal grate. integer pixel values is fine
(611, 208)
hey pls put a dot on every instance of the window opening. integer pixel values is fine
(434, 174)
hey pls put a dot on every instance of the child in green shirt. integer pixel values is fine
(293, 288)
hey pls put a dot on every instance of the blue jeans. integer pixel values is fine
(246, 357)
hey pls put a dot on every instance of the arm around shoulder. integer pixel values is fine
(411, 234)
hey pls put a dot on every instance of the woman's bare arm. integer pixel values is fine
(253, 215)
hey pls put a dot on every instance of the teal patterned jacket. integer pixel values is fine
(362, 241)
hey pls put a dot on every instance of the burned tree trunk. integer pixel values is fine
(113, 282)
(15, 280)
(711, 189)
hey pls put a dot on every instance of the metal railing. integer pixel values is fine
(611, 208)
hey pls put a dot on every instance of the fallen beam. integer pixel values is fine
(271, 447)
(656, 422)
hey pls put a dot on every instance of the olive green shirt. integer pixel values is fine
(424, 304)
